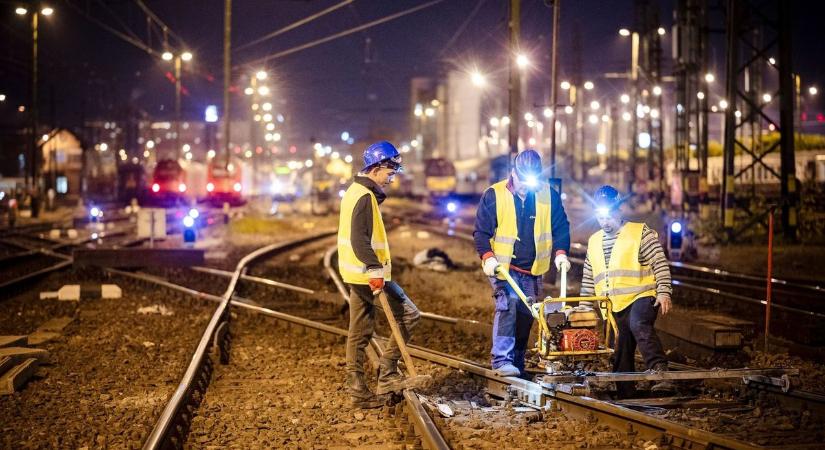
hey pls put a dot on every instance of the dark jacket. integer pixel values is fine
(361, 226)
(525, 247)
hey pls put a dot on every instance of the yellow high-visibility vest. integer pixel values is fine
(506, 233)
(624, 279)
(353, 270)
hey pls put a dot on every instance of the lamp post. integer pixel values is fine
(177, 58)
(37, 10)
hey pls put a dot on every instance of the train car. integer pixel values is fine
(168, 183)
(440, 177)
(131, 182)
(809, 168)
(224, 182)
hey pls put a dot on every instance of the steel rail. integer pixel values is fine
(254, 279)
(165, 433)
(526, 391)
(425, 315)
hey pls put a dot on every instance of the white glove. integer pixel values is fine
(562, 263)
(490, 265)
(535, 308)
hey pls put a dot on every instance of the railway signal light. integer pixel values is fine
(675, 239)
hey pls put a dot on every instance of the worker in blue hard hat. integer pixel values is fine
(365, 265)
(626, 263)
(520, 227)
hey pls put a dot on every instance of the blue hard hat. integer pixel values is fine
(607, 197)
(382, 152)
(528, 166)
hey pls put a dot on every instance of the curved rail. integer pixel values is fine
(169, 430)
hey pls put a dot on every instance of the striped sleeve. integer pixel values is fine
(588, 289)
(652, 254)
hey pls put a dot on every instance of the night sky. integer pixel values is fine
(336, 86)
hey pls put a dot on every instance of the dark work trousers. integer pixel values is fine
(635, 325)
(512, 320)
(362, 307)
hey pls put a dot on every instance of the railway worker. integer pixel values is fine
(518, 223)
(364, 263)
(626, 262)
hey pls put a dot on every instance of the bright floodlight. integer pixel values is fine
(710, 78)
(594, 105)
(593, 119)
(193, 213)
(700, 95)
(429, 112)
(186, 56)
(548, 113)
(522, 61)
(661, 31)
(676, 227)
(766, 97)
(626, 116)
(723, 104)
(47, 11)
(261, 75)
(601, 148)
(644, 140)
(565, 85)
(624, 98)
(657, 90)
(21, 11)
(267, 106)
(477, 79)
(263, 90)
(624, 32)
(568, 109)
(188, 222)
(772, 61)
(167, 56)
(588, 85)
(528, 116)
(94, 212)
(813, 90)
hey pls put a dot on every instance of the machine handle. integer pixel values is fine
(524, 299)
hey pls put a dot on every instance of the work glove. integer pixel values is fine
(490, 265)
(562, 263)
(535, 308)
(376, 280)
(663, 301)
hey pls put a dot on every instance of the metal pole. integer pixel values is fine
(727, 198)
(554, 85)
(786, 122)
(514, 104)
(227, 73)
(634, 94)
(33, 163)
(770, 276)
(177, 106)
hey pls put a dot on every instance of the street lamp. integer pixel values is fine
(477, 79)
(589, 85)
(185, 56)
(813, 90)
(522, 61)
(624, 32)
(565, 85)
(35, 13)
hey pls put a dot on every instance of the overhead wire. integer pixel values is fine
(294, 25)
(339, 35)
(163, 26)
(460, 30)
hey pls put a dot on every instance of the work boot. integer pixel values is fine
(507, 370)
(663, 386)
(360, 394)
(389, 378)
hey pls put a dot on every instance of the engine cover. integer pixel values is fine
(579, 339)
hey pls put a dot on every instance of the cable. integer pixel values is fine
(163, 25)
(294, 25)
(338, 35)
(461, 29)
(136, 42)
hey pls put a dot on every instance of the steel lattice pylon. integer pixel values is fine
(756, 31)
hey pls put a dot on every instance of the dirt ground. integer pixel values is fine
(108, 376)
